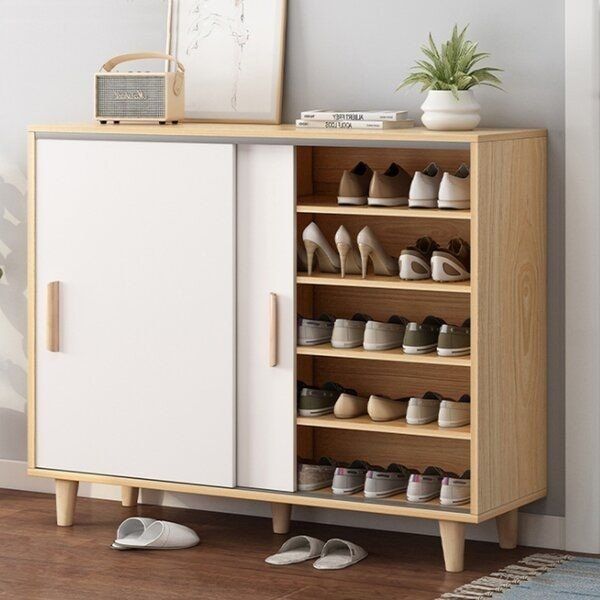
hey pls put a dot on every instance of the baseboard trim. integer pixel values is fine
(542, 531)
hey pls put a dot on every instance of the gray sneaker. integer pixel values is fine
(349, 333)
(426, 486)
(381, 484)
(454, 340)
(314, 402)
(456, 490)
(312, 332)
(351, 479)
(316, 476)
(421, 338)
(385, 336)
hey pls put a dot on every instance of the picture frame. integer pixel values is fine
(233, 52)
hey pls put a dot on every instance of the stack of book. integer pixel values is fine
(354, 119)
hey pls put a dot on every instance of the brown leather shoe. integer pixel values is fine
(452, 263)
(389, 188)
(354, 185)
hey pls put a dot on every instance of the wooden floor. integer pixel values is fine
(41, 561)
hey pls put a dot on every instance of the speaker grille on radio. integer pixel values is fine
(131, 96)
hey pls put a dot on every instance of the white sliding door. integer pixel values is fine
(266, 265)
(141, 238)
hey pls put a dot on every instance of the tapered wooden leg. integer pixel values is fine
(282, 514)
(129, 495)
(508, 529)
(453, 545)
(66, 495)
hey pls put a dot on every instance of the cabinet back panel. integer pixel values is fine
(381, 304)
(395, 380)
(385, 448)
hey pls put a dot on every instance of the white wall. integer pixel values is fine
(339, 53)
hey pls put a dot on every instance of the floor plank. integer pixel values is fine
(39, 561)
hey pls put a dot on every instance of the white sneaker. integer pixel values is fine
(423, 410)
(425, 186)
(455, 414)
(456, 490)
(425, 486)
(349, 333)
(455, 190)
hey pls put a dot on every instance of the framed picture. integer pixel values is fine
(233, 53)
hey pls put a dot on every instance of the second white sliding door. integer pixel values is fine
(266, 254)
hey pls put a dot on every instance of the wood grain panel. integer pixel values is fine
(509, 320)
(395, 380)
(329, 163)
(343, 302)
(386, 448)
(264, 133)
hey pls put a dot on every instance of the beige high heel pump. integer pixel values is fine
(371, 248)
(318, 247)
(349, 256)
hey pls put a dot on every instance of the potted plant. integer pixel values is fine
(449, 76)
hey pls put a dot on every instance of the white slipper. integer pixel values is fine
(296, 550)
(339, 554)
(129, 529)
(159, 535)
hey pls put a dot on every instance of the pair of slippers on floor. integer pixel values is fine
(142, 533)
(334, 554)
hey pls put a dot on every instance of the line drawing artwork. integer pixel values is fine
(230, 19)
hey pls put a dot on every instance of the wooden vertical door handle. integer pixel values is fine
(272, 330)
(52, 332)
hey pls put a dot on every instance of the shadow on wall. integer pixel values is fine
(13, 313)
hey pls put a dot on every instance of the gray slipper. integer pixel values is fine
(339, 554)
(296, 550)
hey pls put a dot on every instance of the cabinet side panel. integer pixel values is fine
(509, 321)
(266, 265)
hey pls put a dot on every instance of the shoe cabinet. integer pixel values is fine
(163, 296)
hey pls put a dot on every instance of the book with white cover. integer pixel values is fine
(404, 124)
(353, 115)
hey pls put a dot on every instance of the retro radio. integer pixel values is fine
(139, 96)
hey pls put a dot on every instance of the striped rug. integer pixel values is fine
(537, 577)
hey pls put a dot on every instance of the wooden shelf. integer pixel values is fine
(393, 505)
(383, 282)
(327, 205)
(396, 355)
(400, 426)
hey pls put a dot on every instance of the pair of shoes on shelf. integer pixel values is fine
(376, 481)
(434, 482)
(347, 259)
(433, 407)
(361, 185)
(432, 189)
(421, 410)
(435, 334)
(427, 259)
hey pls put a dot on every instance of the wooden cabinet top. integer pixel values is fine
(287, 132)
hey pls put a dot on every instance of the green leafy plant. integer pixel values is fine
(452, 67)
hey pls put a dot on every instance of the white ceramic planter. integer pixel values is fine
(443, 112)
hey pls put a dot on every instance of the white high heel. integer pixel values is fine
(349, 256)
(317, 246)
(370, 247)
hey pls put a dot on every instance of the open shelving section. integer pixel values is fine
(504, 446)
